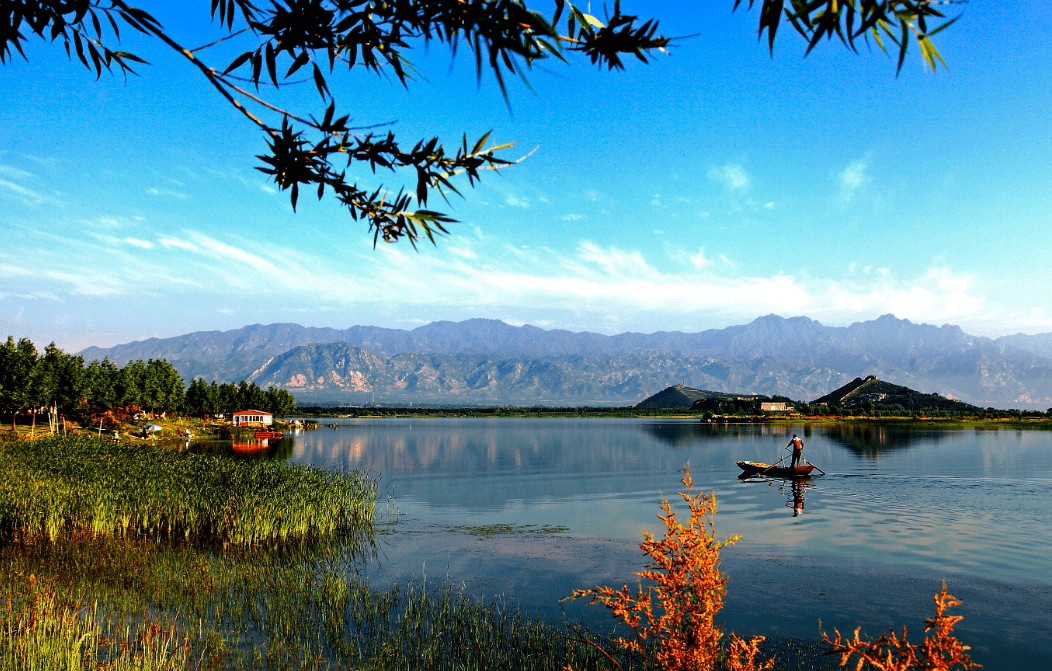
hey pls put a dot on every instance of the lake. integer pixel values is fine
(898, 511)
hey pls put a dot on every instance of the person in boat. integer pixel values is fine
(797, 446)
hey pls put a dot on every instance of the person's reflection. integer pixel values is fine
(796, 500)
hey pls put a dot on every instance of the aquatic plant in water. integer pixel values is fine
(673, 618)
(153, 605)
(42, 629)
(940, 651)
(80, 484)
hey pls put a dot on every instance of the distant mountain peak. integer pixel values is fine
(771, 355)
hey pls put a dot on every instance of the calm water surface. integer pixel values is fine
(867, 544)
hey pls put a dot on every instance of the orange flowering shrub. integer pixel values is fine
(678, 609)
(940, 651)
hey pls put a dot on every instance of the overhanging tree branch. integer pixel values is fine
(505, 37)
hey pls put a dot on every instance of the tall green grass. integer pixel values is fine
(81, 485)
(132, 603)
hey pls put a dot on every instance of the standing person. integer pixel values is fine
(798, 448)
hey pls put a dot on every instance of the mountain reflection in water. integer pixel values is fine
(874, 439)
(900, 510)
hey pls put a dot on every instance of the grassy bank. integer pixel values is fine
(83, 485)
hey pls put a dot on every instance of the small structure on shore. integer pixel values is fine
(251, 418)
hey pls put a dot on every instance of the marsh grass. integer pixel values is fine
(85, 485)
(133, 603)
(131, 557)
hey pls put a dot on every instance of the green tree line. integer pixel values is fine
(60, 385)
(203, 398)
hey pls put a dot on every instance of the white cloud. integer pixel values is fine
(104, 221)
(852, 178)
(698, 260)
(470, 276)
(166, 192)
(464, 251)
(176, 243)
(572, 217)
(731, 176)
(938, 296)
(20, 190)
(15, 173)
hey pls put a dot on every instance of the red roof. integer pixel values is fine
(251, 412)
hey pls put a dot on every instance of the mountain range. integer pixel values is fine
(481, 361)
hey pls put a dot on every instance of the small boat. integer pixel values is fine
(775, 471)
(260, 434)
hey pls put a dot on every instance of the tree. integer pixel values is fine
(162, 388)
(101, 381)
(130, 384)
(59, 383)
(250, 397)
(227, 398)
(43, 385)
(280, 402)
(899, 21)
(17, 367)
(199, 398)
(289, 39)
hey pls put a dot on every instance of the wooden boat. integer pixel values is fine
(775, 471)
(260, 434)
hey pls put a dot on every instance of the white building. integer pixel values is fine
(249, 417)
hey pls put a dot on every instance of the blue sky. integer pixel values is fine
(712, 186)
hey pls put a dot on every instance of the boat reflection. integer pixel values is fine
(794, 498)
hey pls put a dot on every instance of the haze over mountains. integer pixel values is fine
(482, 361)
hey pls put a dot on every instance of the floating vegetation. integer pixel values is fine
(85, 485)
(488, 530)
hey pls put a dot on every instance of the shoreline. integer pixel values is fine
(1037, 423)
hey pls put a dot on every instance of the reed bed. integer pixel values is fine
(132, 603)
(81, 484)
(42, 629)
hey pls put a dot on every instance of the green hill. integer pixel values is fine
(886, 396)
(687, 398)
(680, 396)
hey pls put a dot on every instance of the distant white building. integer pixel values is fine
(248, 417)
(767, 406)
